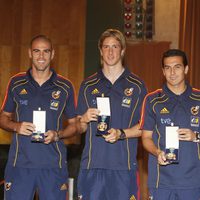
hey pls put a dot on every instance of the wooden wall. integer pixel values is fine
(62, 20)
(144, 59)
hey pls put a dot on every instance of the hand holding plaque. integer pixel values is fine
(39, 120)
(103, 105)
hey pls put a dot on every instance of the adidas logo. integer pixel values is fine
(132, 198)
(64, 186)
(23, 91)
(95, 91)
(164, 111)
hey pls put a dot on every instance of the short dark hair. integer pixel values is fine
(41, 37)
(175, 52)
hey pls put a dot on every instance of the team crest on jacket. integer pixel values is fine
(128, 91)
(56, 94)
(195, 110)
(80, 197)
(8, 186)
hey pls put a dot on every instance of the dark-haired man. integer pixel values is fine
(170, 132)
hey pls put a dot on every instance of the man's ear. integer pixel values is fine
(122, 52)
(29, 53)
(186, 69)
(52, 54)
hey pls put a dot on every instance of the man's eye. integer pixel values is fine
(166, 67)
(35, 50)
(47, 51)
(178, 66)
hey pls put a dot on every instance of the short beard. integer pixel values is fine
(41, 69)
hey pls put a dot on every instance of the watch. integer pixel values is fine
(122, 135)
(197, 136)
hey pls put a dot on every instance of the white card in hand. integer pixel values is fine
(172, 139)
(103, 105)
(39, 120)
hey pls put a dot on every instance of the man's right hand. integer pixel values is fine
(24, 128)
(162, 158)
(90, 115)
(82, 121)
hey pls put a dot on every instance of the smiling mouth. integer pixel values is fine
(111, 58)
(41, 61)
(172, 78)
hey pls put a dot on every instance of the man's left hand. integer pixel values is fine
(112, 136)
(186, 134)
(50, 136)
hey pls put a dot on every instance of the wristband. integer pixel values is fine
(197, 139)
(122, 135)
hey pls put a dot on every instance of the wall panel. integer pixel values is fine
(144, 59)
